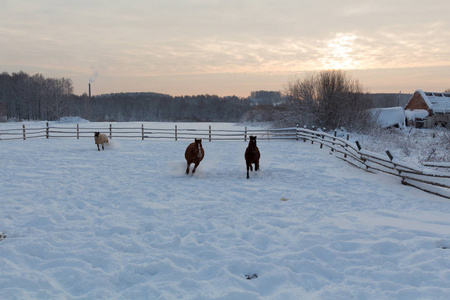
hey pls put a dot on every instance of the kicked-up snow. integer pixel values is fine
(127, 223)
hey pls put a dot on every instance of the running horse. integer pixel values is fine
(194, 154)
(252, 155)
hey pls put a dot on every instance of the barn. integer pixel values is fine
(428, 109)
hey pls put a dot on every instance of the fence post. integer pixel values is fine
(348, 136)
(359, 149)
(110, 131)
(245, 134)
(334, 139)
(142, 125)
(78, 131)
(23, 129)
(210, 133)
(391, 157)
(46, 131)
(176, 133)
(321, 144)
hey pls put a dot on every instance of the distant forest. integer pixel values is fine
(25, 97)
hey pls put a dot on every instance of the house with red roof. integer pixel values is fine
(428, 109)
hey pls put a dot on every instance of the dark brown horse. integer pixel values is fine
(194, 154)
(252, 155)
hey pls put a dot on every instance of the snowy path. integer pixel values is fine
(127, 223)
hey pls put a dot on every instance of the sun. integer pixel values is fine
(338, 54)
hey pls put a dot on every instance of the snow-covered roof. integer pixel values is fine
(416, 114)
(390, 116)
(438, 102)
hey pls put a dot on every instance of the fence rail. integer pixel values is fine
(145, 133)
(426, 177)
(421, 177)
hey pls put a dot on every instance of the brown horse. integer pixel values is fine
(252, 155)
(194, 154)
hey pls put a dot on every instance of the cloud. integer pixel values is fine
(194, 37)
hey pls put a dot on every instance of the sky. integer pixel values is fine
(227, 47)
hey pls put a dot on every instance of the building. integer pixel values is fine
(388, 117)
(265, 98)
(428, 109)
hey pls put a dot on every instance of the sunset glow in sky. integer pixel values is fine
(226, 47)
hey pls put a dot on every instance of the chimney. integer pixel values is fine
(89, 90)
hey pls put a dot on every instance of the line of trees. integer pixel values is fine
(25, 97)
(33, 97)
(159, 107)
(328, 99)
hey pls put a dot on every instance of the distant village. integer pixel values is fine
(420, 110)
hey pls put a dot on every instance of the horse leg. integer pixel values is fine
(257, 165)
(248, 167)
(187, 169)
(195, 167)
(98, 147)
(103, 146)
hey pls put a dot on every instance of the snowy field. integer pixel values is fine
(127, 223)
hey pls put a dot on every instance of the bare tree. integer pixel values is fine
(328, 99)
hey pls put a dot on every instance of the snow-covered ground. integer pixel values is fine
(127, 223)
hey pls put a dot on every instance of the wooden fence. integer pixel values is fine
(142, 132)
(427, 178)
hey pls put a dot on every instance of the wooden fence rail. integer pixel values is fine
(421, 177)
(426, 177)
(145, 133)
